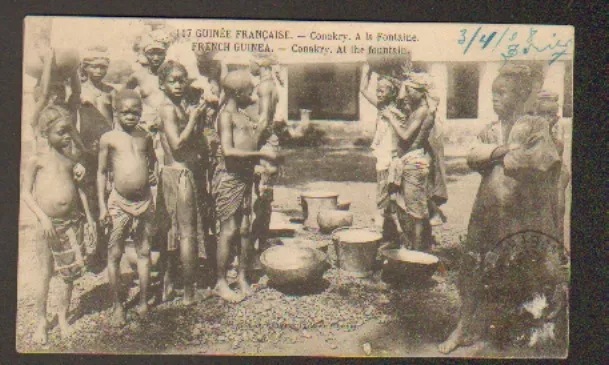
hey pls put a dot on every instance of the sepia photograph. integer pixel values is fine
(295, 188)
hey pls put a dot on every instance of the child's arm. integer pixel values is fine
(102, 170)
(45, 86)
(176, 139)
(365, 83)
(152, 165)
(415, 120)
(76, 89)
(226, 139)
(29, 176)
(265, 98)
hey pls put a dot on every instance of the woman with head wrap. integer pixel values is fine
(409, 172)
(516, 158)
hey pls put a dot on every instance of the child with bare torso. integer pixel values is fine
(50, 191)
(147, 80)
(240, 137)
(266, 172)
(182, 179)
(127, 152)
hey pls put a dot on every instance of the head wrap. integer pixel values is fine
(95, 56)
(419, 80)
(264, 59)
(154, 40)
(547, 95)
(237, 80)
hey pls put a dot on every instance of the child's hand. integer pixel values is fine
(195, 111)
(48, 229)
(79, 172)
(104, 217)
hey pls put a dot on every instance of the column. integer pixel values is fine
(555, 82)
(281, 112)
(439, 72)
(488, 73)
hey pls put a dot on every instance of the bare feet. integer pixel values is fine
(64, 328)
(168, 293)
(142, 310)
(226, 293)
(40, 334)
(188, 300)
(245, 287)
(118, 318)
(457, 338)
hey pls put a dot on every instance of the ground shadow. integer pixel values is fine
(308, 288)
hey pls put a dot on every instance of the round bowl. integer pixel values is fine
(409, 264)
(329, 220)
(288, 265)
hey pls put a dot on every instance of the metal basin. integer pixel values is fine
(288, 265)
(356, 250)
(404, 264)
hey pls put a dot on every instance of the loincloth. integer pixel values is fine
(69, 250)
(232, 192)
(128, 216)
(174, 179)
(409, 175)
(382, 189)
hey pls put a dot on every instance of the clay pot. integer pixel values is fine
(314, 201)
(288, 265)
(329, 220)
(343, 205)
(66, 62)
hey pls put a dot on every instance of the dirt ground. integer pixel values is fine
(341, 316)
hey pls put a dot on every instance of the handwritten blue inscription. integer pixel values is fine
(511, 44)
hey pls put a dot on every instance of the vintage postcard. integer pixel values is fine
(301, 188)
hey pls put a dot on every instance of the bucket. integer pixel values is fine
(356, 250)
(314, 201)
(305, 115)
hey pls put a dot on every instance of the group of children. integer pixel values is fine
(155, 164)
(157, 167)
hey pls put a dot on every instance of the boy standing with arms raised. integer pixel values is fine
(240, 136)
(128, 153)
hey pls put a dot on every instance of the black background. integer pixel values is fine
(590, 242)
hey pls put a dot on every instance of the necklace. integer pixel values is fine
(249, 119)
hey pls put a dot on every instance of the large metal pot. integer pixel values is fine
(313, 201)
(356, 250)
(289, 265)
